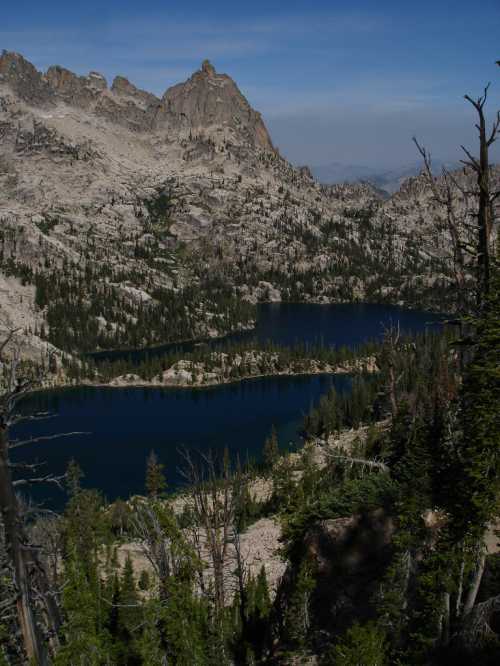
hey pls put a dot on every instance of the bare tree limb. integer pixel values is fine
(49, 478)
(45, 438)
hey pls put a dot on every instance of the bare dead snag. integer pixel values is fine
(443, 196)
(476, 624)
(470, 599)
(392, 336)
(363, 462)
(32, 639)
(481, 167)
(212, 499)
(155, 544)
(33, 590)
(241, 575)
(472, 239)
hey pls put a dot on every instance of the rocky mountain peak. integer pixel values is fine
(23, 78)
(208, 104)
(76, 90)
(122, 87)
(96, 80)
(208, 68)
(211, 103)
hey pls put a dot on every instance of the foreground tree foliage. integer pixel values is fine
(437, 595)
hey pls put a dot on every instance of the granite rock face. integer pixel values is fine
(79, 91)
(148, 195)
(208, 103)
(24, 79)
(209, 100)
(122, 87)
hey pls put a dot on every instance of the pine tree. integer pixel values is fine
(82, 630)
(480, 416)
(150, 644)
(297, 620)
(262, 598)
(361, 645)
(155, 477)
(74, 475)
(185, 623)
(144, 581)
(129, 614)
(271, 451)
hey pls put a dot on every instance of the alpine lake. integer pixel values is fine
(123, 425)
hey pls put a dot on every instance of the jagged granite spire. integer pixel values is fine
(208, 99)
(208, 102)
(208, 68)
(23, 78)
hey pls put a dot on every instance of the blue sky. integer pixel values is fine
(347, 82)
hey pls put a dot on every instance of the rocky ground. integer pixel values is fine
(248, 365)
(260, 542)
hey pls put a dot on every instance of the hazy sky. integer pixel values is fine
(347, 82)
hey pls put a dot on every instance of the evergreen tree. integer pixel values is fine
(479, 472)
(74, 475)
(129, 615)
(186, 625)
(144, 581)
(150, 644)
(298, 618)
(271, 451)
(155, 477)
(362, 645)
(83, 629)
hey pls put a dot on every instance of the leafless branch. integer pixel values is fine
(30, 467)
(44, 438)
(39, 416)
(49, 478)
(365, 462)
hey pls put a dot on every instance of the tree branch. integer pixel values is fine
(43, 479)
(44, 438)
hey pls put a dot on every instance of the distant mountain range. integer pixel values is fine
(389, 180)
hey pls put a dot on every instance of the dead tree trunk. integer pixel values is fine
(391, 340)
(241, 577)
(442, 193)
(474, 586)
(30, 580)
(481, 168)
(32, 640)
(212, 495)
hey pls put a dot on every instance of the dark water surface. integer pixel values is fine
(126, 424)
(290, 323)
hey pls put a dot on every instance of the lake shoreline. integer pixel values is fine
(365, 365)
(154, 349)
(251, 327)
(213, 398)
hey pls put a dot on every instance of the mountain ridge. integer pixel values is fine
(388, 179)
(124, 223)
(205, 100)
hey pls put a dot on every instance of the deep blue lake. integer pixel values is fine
(290, 323)
(126, 424)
